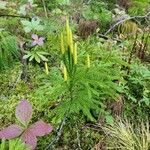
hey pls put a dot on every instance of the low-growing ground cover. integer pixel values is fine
(74, 75)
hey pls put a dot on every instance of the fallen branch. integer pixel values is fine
(15, 16)
(126, 19)
(59, 132)
(78, 138)
(106, 38)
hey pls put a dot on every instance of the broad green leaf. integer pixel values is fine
(2, 29)
(34, 24)
(43, 53)
(25, 22)
(31, 58)
(26, 56)
(37, 58)
(42, 57)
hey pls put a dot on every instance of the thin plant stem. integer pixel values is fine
(45, 10)
(51, 144)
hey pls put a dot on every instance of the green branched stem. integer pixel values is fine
(59, 131)
(71, 90)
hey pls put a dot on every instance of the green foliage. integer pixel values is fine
(32, 25)
(137, 91)
(88, 87)
(86, 97)
(139, 7)
(87, 91)
(10, 24)
(98, 11)
(38, 56)
(54, 4)
(139, 81)
(26, 8)
(8, 49)
(53, 26)
(13, 145)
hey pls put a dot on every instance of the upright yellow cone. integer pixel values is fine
(68, 30)
(65, 73)
(46, 68)
(88, 61)
(75, 53)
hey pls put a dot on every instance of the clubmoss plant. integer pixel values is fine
(83, 82)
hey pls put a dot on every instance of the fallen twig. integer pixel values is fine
(78, 138)
(106, 37)
(15, 16)
(126, 19)
(59, 132)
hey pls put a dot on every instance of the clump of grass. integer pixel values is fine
(124, 135)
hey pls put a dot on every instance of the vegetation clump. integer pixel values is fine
(83, 66)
